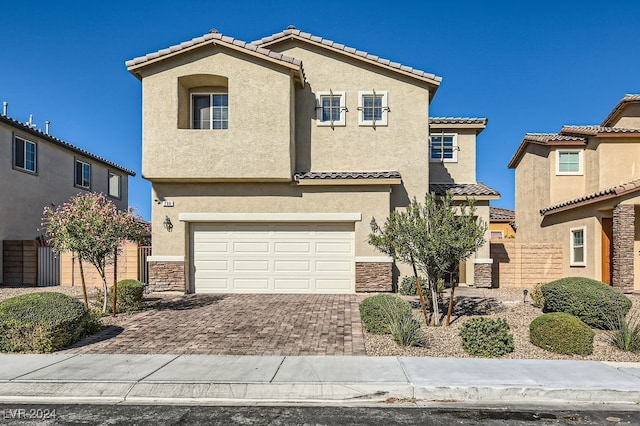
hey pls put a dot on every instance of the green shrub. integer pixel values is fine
(561, 333)
(408, 286)
(486, 337)
(43, 322)
(130, 293)
(377, 312)
(406, 330)
(537, 299)
(594, 302)
(625, 333)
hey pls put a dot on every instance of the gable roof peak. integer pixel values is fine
(626, 99)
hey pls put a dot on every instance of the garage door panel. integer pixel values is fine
(251, 266)
(302, 285)
(273, 258)
(292, 266)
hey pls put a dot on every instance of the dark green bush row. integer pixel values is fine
(594, 302)
(561, 333)
(378, 311)
(486, 337)
(43, 322)
(130, 294)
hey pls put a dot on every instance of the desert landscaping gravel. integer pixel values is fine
(442, 341)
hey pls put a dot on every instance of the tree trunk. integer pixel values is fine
(453, 289)
(420, 295)
(115, 281)
(84, 286)
(434, 297)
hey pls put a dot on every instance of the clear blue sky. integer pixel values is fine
(527, 66)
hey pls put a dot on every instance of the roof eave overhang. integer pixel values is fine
(136, 69)
(476, 197)
(434, 83)
(443, 126)
(339, 182)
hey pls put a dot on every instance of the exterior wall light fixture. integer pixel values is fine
(167, 224)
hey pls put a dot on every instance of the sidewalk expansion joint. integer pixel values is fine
(43, 367)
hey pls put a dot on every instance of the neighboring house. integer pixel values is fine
(40, 170)
(578, 193)
(267, 174)
(502, 223)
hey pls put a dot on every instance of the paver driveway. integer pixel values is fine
(238, 324)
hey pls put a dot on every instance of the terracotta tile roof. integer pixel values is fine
(293, 32)
(59, 142)
(616, 191)
(346, 175)
(594, 130)
(458, 120)
(498, 213)
(215, 37)
(625, 100)
(463, 189)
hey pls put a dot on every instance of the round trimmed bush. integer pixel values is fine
(486, 337)
(43, 322)
(408, 286)
(378, 312)
(594, 302)
(130, 294)
(561, 333)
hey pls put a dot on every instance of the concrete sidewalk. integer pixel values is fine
(225, 379)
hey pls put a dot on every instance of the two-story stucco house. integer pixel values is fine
(41, 170)
(266, 174)
(578, 195)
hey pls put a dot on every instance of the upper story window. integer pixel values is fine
(372, 108)
(578, 246)
(331, 108)
(24, 154)
(114, 185)
(443, 148)
(83, 175)
(209, 111)
(569, 162)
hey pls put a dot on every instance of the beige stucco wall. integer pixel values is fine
(507, 230)
(25, 194)
(464, 169)
(564, 187)
(263, 198)
(532, 180)
(631, 117)
(620, 158)
(402, 145)
(257, 145)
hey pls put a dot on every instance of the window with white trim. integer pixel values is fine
(578, 246)
(497, 235)
(209, 111)
(373, 108)
(114, 185)
(24, 155)
(83, 175)
(331, 108)
(569, 162)
(443, 148)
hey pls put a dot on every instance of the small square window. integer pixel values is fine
(577, 245)
(443, 148)
(373, 108)
(114, 185)
(24, 155)
(569, 162)
(209, 111)
(83, 175)
(497, 235)
(331, 108)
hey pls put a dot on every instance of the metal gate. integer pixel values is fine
(143, 266)
(48, 267)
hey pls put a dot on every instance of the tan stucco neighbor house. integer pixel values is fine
(41, 170)
(266, 174)
(578, 196)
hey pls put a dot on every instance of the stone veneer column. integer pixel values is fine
(482, 273)
(623, 240)
(374, 276)
(166, 276)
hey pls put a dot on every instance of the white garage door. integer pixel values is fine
(272, 258)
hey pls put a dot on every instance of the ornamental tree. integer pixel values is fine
(431, 237)
(92, 227)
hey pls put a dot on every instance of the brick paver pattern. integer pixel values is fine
(237, 324)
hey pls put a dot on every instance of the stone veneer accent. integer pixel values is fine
(623, 236)
(166, 276)
(373, 276)
(482, 275)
